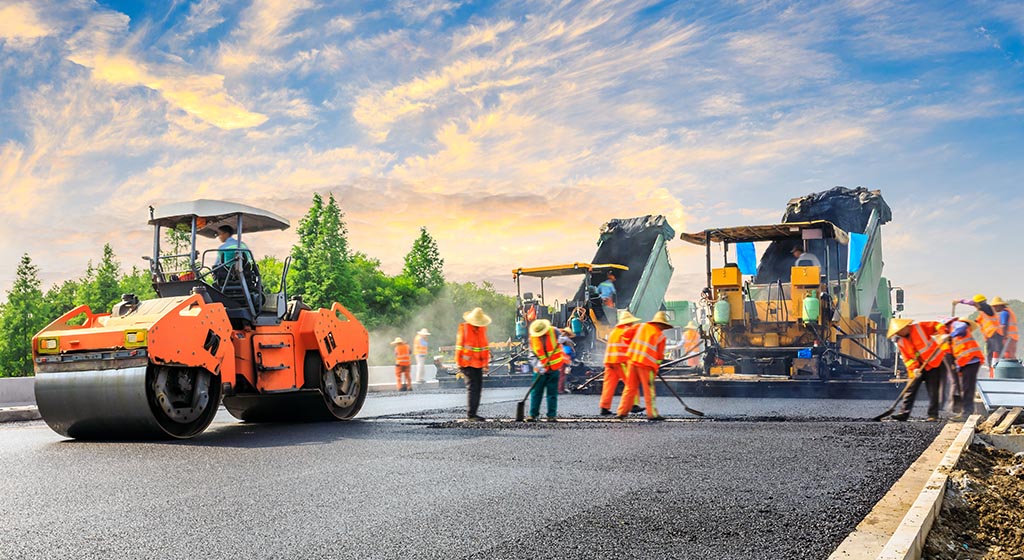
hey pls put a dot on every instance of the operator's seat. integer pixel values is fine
(231, 285)
(295, 307)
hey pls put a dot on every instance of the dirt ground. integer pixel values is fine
(983, 512)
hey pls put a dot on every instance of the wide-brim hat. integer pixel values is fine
(627, 318)
(997, 301)
(978, 298)
(397, 340)
(897, 325)
(969, 322)
(424, 332)
(661, 318)
(540, 327)
(476, 317)
(691, 326)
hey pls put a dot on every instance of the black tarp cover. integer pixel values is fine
(628, 242)
(849, 209)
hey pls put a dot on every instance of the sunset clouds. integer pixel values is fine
(512, 130)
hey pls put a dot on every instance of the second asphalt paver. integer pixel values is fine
(409, 484)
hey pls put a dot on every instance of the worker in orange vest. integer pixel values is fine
(924, 347)
(1007, 321)
(968, 356)
(472, 354)
(615, 357)
(988, 322)
(419, 350)
(643, 358)
(402, 364)
(691, 343)
(547, 360)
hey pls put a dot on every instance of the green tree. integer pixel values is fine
(61, 298)
(324, 271)
(23, 316)
(138, 282)
(101, 287)
(424, 264)
(271, 268)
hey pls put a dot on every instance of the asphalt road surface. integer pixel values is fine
(756, 479)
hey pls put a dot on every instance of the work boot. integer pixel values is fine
(551, 419)
(620, 417)
(656, 419)
(531, 419)
(901, 417)
(636, 409)
(931, 419)
(606, 412)
(476, 418)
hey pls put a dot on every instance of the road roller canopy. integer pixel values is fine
(566, 270)
(211, 214)
(770, 232)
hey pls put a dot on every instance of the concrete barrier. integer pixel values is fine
(16, 391)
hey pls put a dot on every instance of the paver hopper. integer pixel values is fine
(160, 368)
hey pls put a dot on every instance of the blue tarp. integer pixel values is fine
(746, 258)
(857, 243)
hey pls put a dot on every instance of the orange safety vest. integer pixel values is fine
(1011, 327)
(989, 324)
(402, 354)
(918, 348)
(551, 359)
(471, 348)
(966, 349)
(618, 343)
(691, 340)
(419, 343)
(648, 346)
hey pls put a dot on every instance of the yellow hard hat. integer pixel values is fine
(540, 327)
(897, 325)
(997, 301)
(978, 298)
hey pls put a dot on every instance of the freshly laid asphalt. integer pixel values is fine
(754, 479)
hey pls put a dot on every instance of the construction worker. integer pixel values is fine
(548, 360)
(968, 356)
(565, 337)
(472, 355)
(923, 347)
(989, 325)
(802, 258)
(606, 291)
(402, 364)
(1007, 321)
(615, 357)
(645, 353)
(419, 350)
(691, 343)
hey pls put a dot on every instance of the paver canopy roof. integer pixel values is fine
(215, 213)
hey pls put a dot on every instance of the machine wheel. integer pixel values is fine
(344, 388)
(183, 400)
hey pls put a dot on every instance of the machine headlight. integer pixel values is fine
(49, 345)
(135, 338)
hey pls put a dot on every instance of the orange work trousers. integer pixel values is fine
(638, 375)
(402, 374)
(613, 373)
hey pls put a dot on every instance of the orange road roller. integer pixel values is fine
(160, 368)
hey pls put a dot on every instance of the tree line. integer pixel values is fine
(324, 269)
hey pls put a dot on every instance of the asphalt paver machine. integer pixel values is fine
(160, 368)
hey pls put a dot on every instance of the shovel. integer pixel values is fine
(892, 408)
(676, 395)
(521, 405)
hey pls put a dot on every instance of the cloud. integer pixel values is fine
(263, 30)
(20, 25)
(475, 36)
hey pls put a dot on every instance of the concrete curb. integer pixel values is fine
(19, 413)
(907, 543)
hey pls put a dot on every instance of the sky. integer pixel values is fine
(513, 130)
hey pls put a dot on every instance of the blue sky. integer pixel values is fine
(512, 130)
